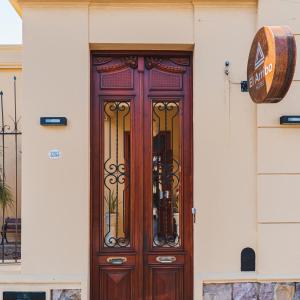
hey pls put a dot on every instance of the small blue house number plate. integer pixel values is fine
(54, 154)
(24, 296)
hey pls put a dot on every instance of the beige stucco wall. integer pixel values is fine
(55, 193)
(243, 160)
(56, 56)
(224, 141)
(278, 163)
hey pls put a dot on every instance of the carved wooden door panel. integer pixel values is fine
(141, 177)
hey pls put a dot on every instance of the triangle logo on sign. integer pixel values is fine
(260, 57)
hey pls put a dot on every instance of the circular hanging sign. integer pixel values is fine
(271, 64)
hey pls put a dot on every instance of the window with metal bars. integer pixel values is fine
(10, 181)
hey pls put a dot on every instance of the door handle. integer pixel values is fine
(116, 260)
(166, 259)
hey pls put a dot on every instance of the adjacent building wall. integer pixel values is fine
(278, 165)
(10, 67)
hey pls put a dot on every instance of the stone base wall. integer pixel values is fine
(66, 294)
(252, 291)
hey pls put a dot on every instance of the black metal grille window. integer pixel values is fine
(10, 156)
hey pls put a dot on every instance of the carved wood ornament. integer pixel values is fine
(172, 65)
(124, 62)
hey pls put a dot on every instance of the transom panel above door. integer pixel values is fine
(141, 177)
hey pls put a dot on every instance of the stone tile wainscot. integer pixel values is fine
(66, 294)
(252, 291)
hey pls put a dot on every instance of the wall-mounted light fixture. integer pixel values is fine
(53, 121)
(290, 120)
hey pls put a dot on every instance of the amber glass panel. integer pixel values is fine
(116, 174)
(166, 174)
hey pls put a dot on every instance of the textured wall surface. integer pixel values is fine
(66, 294)
(252, 291)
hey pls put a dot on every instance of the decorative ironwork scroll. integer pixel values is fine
(166, 174)
(116, 173)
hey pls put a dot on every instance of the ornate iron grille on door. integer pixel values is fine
(10, 250)
(116, 173)
(166, 174)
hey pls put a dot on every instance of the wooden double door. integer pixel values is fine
(141, 177)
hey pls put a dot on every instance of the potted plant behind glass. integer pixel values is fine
(176, 211)
(111, 215)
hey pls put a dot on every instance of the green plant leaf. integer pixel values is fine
(6, 198)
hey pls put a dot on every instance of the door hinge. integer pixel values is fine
(194, 211)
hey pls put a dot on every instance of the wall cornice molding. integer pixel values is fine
(18, 4)
(11, 66)
(12, 47)
(10, 57)
(184, 5)
(225, 3)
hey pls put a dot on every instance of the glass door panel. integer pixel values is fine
(166, 168)
(116, 174)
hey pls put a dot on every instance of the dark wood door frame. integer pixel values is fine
(138, 134)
